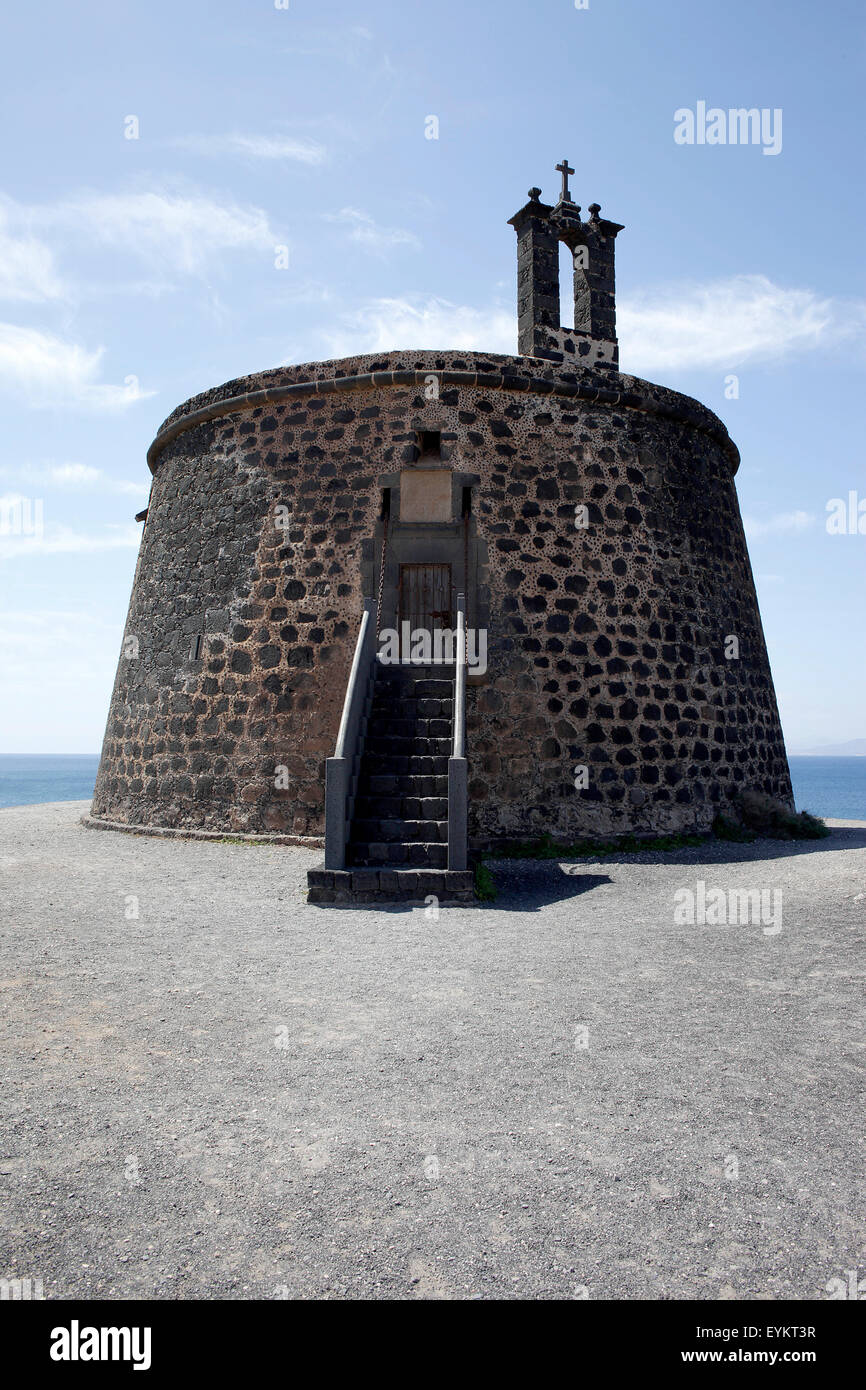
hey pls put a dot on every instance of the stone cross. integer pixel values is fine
(565, 169)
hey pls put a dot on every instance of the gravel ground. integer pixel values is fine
(235, 1094)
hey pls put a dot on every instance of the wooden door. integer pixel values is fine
(425, 596)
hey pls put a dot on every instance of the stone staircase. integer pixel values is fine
(398, 812)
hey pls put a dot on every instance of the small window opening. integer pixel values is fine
(430, 443)
(386, 502)
(195, 647)
(467, 502)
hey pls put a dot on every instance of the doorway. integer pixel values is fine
(425, 596)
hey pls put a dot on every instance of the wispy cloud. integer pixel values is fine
(27, 270)
(722, 324)
(782, 524)
(77, 477)
(384, 324)
(44, 371)
(308, 292)
(364, 229)
(300, 150)
(727, 322)
(58, 539)
(350, 44)
(25, 628)
(170, 230)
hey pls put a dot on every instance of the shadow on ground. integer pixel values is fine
(711, 851)
(528, 885)
(539, 883)
(536, 884)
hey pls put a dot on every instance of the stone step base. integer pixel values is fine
(380, 885)
(375, 784)
(425, 707)
(377, 747)
(397, 854)
(404, 765)
(381, 829)
(394, 725)
(405, 808)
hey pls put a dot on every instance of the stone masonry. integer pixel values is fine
(609, 629)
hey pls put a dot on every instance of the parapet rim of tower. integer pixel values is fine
(456, 368)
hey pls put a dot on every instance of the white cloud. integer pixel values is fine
(308, 292)
(54, 538)
(42, 630)
(364, 229)
(301, 149)
(782, 524)
(181, 232)
(385, 324)
(45, 370)
(73, 476)
(727, 322)
(171, 231)
(348, 45)
(27, 270)
(711, 326)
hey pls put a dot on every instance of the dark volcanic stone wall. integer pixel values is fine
(606, 646)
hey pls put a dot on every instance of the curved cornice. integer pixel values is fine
(673, 407)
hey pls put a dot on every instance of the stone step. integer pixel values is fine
(401, 807)
(387, 725)
(383, 707)
(414, 690)
(381, 745)
(440, 689)
(402, 764)
(396, 784)
(408, 676)
(378, 829)
(386, 885)
(387, 853)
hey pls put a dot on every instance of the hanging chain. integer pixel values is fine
(382, 573)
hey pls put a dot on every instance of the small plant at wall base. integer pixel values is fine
(769, 817)
(485, 888)
(726, 828)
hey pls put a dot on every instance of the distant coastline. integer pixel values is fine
(854, 748)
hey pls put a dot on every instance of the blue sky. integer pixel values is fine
(135, 272)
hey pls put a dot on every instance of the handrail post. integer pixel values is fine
(457, 766)
(338, 769)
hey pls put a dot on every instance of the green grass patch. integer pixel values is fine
(485, 888)
(236, 840)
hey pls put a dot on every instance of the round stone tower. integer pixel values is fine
(618, 678)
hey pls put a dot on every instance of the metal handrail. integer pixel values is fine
(339, 768)
(352, 686)
(460, 681)
(457, 767)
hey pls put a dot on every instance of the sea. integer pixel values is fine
(27, 778)
(834, 787)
